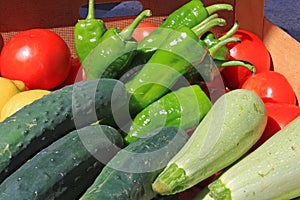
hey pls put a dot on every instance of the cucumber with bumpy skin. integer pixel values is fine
(270, 172)
(231, 127)
(39, 124)
(130, 173)
(66, 168)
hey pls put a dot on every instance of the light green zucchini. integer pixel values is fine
(272, 171)
(231, 127)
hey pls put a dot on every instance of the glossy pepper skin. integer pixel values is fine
(114, 52)
(172, 59)
(183, 108)
(87, 33)
(190, 15)
(219, 57)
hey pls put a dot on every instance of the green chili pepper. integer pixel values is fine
(219, 53)
(183, 108)
(171, 60)
(190, 14)
(217, 46)
(87, 33)
(114, 52)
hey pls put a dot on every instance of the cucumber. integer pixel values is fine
(130, 173)
(66, 168)
(183, 108)
(39, 124)
(270, 172)
(231, 127)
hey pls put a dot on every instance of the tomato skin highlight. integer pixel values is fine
(251, 49)
(279, 116)
(38, 57)
(271, 86)
(143, 30)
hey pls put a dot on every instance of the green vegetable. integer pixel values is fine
(183, 108)
(220, 54)
(87, 33)
(130, 173)
(66, 168)
(39, 124)
(189, 15)
(231, 127)
(270, 172)
(116, 48)
(174, 58)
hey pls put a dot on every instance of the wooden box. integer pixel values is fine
(61, 16)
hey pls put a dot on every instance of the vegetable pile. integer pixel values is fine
(149, 111)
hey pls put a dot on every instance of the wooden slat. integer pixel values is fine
(285, 53)
(250, 14)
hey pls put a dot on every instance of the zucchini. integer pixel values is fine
(66, 168)
(39, 124)
(130, 173)
(232, 126)
(183, 108)
(270, 172)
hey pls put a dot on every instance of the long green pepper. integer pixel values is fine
(219, 53)
(114, 52)
(183, 108)
(87, 33)
(190, 15)
(172, 59)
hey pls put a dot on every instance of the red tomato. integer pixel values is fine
(279, 115)
(251, 49)
(1, 46)
(38, 57)
(76, 73)
(271, 86)
(143, 30)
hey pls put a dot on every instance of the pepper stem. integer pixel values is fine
(211, 17)
(91, 10)
(201, 28)
(218, 7)
(126, 33)
(230, 63)
(230, 32)
(214, 49)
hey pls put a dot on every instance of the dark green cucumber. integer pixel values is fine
(39, 124)
(66, 168)
(130, 173)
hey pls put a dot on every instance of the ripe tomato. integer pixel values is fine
(143, 30)
(271, 86)
(76, 73)
(251, 49)
(38, 57)
(279, 116)
(1, 46)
